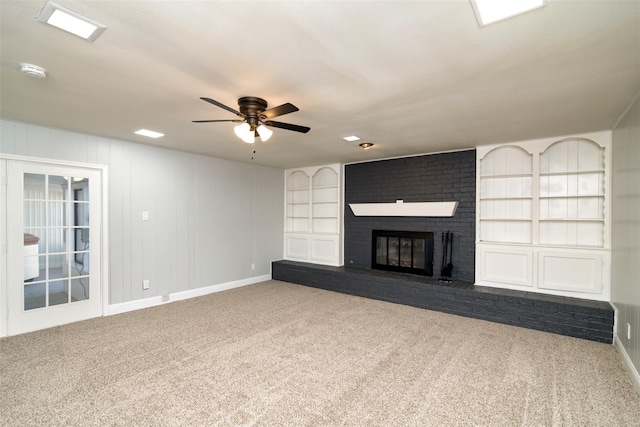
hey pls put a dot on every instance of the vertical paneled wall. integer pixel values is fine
(209, 219)
(625, 240)
(431, 178)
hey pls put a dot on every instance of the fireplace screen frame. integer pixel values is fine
(398, 249)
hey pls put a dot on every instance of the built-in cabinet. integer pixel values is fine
(313, 214)
(505, 195)
(543, 215)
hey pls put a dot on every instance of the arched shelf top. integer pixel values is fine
(506, 160)
(572, 154)
(325, 177)
(298, 180)
(500, 147)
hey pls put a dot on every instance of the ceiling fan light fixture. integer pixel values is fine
(264, 132)
(256, 118)
(244, 132)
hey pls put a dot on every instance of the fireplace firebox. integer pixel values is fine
(403, 251)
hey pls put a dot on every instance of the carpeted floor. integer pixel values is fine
(276, 354)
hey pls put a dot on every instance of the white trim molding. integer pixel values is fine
(183, 295)
(628, 364)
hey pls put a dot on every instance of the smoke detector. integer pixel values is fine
(33, 71)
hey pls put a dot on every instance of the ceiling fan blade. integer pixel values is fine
(218, 104)
(288, 126)
(279, 111)
(212, 121)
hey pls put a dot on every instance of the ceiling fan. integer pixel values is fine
(255, 118)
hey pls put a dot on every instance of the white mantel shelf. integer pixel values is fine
(432, 209)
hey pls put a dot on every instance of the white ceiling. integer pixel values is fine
(409, 76)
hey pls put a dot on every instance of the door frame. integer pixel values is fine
(104, 229)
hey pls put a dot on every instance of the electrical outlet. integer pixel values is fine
(145, 284)
(145, 215)
(628, 331)
(253, 267)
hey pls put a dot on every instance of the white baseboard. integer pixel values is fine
(635, 377)
(124, 307)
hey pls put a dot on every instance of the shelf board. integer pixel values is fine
(508, 175)
(571, 172)
(571, 219)
(574, 196)
(507, 198)
(417, 209)
(507, 219)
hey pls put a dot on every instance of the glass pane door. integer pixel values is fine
(54, 245)
(56, 240)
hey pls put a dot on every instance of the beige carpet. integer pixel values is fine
(277, 354)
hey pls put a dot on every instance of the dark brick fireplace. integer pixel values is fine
(431, 178)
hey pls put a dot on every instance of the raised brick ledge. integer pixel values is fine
(580, 318)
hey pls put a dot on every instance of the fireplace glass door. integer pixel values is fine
(405, 251)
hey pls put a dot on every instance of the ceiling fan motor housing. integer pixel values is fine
(252, 107)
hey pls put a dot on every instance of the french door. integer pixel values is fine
(53, 218)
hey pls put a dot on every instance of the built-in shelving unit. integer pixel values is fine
(542, 218)
(298, 202)
(313, 214)
(572, 196)
(506, 200)
(325, 200)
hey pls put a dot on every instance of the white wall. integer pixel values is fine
(209, 219)
(625, 277)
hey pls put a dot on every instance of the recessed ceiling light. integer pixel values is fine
(490, 11)
(366, 145)
(70, 21)
(149, 133)
(351, 138)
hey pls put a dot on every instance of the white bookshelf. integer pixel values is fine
(543, 215)
(313, 214)
(506, 199)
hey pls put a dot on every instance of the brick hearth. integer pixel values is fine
(592, 320)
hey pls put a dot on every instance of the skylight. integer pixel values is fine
(490, 11)
(70, 21)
